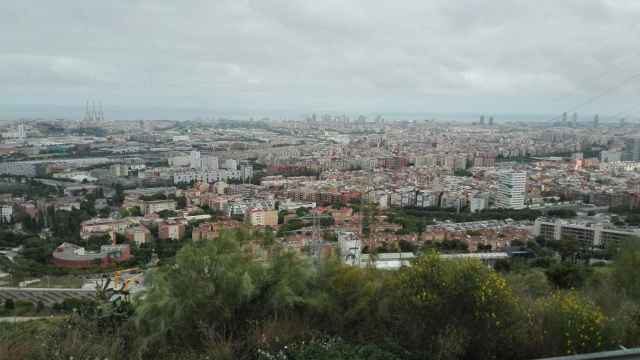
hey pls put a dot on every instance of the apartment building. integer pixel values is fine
(6, 213)
(155, 206)
(171, 230)
(511, 189)
(587, 234)
(103, 226)
(261, 217)
(138, 234)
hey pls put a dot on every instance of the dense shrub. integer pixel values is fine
(455, 307)
(566, 323)
(219, 301)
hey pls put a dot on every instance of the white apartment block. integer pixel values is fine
(231, 164)
(511, 189)
(195, 162)
(180, 161)
(478, 203)
(210, 176)
(157, 206)
(6, 214)
(209, 162)
(427, 199)
(101, 226)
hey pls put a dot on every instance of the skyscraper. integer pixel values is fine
(209, 162)
(631, 149)
(230, 164)
(21, 132)
(195, 162)
(511, 189)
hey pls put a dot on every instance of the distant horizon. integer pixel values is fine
(127, 113)
(444, 59)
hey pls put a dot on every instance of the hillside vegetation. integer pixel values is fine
(219, 301)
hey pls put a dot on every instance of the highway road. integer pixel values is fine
(12, 319)
(48, 296)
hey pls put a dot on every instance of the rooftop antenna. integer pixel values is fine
(365, 208)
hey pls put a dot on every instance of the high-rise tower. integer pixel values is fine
(511, 189)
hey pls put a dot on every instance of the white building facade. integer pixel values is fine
(511, 189)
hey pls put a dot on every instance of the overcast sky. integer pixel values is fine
(474, 56)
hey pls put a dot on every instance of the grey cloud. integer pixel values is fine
(303, 55)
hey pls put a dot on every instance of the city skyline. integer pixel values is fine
(114, 113)
(300, 179)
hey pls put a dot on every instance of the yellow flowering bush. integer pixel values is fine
(462, 297)
(565, 323)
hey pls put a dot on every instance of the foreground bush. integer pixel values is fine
(566, 323)
(217, 301)
(328, 348)
(216, 296)
(455, 309)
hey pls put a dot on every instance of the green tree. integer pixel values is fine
(284, 284)
(569, 248)
(167, 214)
(462, 172)
(330, 236)
(567, 275)
(37, 249)
(9, 305)
(205, 294)
(353, 301)
(216, 295)
(135, 211)
(503, 265)
(118, 197)
(181, 202)
(327, 221)
(88, 205)
(300, 212)
(529, 285)
(268, 237)
(104, 212)
(94, 242)
(40, 307)
(281, 215)
(626, 265)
